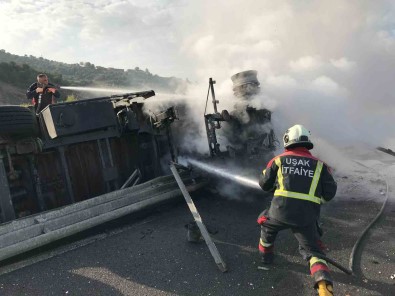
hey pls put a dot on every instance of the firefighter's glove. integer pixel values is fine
(262, 218)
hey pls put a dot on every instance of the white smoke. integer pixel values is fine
(326, 64)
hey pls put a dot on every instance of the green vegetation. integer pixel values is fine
(22, 75)
(71, 98)
(86, 74)
(17, 73)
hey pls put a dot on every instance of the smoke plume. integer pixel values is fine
(326, 65)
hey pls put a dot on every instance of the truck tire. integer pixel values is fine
(17, 121)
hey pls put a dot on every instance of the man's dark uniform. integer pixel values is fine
(42, 100)
(300, 183)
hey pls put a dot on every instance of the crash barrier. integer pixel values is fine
(24, 234)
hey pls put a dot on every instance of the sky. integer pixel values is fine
(329, 65)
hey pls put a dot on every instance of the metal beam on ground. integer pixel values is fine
(207, 238)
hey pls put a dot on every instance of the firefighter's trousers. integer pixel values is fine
(308, 238)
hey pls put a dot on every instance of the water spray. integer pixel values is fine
(97, 89)
(226, 175)
(163, 96)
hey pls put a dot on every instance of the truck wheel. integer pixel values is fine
(17, 121)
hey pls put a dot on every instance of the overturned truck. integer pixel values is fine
(79, 164)
(77, 150)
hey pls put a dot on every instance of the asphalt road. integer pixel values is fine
(149, 254)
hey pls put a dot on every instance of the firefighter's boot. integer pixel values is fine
(266, 251)
(323, 280)
(267, 258)
(324, 288)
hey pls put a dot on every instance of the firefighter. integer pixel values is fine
(301, 183)
(42, 93)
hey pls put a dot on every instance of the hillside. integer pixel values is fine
(11, 95)
(18, 72)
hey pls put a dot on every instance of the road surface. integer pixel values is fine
(149, 254)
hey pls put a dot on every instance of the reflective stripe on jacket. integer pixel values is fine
(302, 172)
(299, 181)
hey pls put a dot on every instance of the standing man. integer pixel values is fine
(42, 93)
(300, 182)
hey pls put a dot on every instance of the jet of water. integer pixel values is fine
(227, 175)
(161, 96)
(97, 89)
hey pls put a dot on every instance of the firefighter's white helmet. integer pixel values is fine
(297, 136)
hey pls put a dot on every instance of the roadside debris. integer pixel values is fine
(193, 233)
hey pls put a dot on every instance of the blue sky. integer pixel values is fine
(314, 58)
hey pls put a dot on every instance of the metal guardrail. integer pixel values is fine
(25, 234)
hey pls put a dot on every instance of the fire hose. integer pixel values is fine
(365, 231)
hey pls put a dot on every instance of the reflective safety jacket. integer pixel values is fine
(300, 182)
